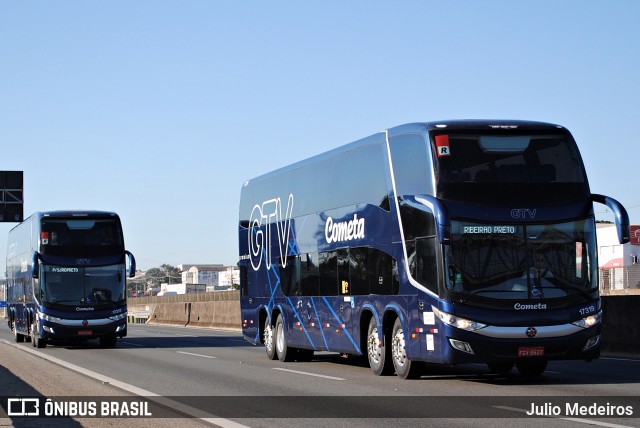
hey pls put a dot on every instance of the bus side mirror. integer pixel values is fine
(132, 264)
(621, 216)
(35, 265)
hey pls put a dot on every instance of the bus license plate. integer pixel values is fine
(85, 332)
(531, 351)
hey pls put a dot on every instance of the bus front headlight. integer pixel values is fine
(457, 322)
(589, 321)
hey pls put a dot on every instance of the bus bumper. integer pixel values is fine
(70, 331)
(459, 347)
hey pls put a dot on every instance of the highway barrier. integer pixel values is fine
(621, 326)
(620, 330)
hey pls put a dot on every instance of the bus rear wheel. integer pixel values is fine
(269, 342)
(377, 352)
(405, 368)
(17, 336)
(284, 354)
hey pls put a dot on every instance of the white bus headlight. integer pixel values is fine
(589, 321)
(457, 322)
(45, 317)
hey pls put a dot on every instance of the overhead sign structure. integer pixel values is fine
(11, 196)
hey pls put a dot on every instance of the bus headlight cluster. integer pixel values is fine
(118, 317)
(589, 321)
(457, 322)
(46, 317)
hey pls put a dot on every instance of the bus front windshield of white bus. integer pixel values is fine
(510, 262)
(102, 286)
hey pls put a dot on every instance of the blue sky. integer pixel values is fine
(160, 110)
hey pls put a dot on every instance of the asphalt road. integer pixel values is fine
(213, 377)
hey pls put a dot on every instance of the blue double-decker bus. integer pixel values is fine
(66, 278)
(449, 242)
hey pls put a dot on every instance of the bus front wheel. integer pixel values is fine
(36, 340)
(377, 352)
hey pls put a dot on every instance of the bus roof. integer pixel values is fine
(464, 125)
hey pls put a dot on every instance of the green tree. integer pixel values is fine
(165, 274)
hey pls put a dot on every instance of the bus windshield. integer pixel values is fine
(493, 168)
(82, 286)
(521, 261)
(75, 237)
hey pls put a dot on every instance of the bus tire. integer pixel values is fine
(405, 368)
(532, 368)
(378, 353)
(270, 342)
(17, 336)
(38, 342)
(108, 341)
(284, 353)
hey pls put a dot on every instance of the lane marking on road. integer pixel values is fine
(191, 411)
(577, 420)
(184, 335)
(196, 355)
(308, 374)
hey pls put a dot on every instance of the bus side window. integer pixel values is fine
(426, 268)
(290, 276)
(244, 281)
(309, 274)
(328, 269)
(385, 273)
(359, 271)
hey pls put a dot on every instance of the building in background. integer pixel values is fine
(214, 277)
(617, 263)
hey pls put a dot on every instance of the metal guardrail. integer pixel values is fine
(137, 317)
(622, 280)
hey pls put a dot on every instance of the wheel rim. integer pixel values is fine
(268, 337)
(398, 349)
(279, 337)
(373, 350)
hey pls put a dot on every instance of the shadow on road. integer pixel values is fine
(13, 388)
